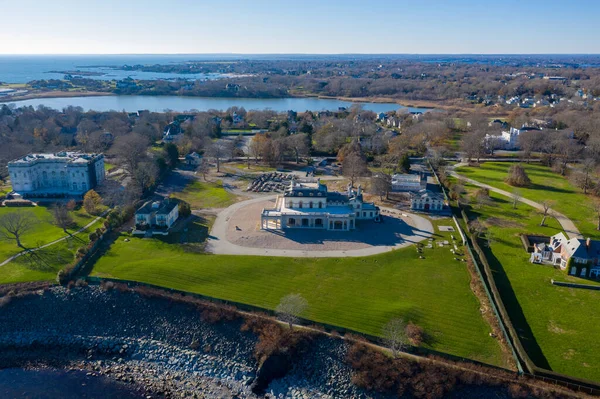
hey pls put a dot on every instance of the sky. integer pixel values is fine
(309, 26)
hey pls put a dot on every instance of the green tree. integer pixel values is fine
(404, 163)
(172, 154)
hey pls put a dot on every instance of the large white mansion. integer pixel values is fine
(60, 174)
(311, 206)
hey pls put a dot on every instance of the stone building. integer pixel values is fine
(64, 174)
(311, 206)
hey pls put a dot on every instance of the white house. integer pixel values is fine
(156, 215)
(311, 206)
(427, 201)
(64, 174)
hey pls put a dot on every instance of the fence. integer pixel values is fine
(519, 352)
(574, 285)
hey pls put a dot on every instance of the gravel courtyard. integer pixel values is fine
(238, 227)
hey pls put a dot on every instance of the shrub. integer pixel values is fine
(414, 334)
(91, 202)
(517, 176)
(93, 236)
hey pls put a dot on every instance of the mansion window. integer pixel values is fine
(320, 205)
(290, 204)
(300, 204)
(74, 186)
(310, 204)
(291, 221)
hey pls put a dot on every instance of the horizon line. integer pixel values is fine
(282, 54)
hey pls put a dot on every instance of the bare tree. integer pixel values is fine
(291, 308)
(354, 166)
(381, 184)
(218, 150)
(516, 197)
(547, 205)
(582, 178)
(203, 168)
(62, 217)
(299, 144)
(394, 334)
(14, 225)
(473, 145)
(131, 149)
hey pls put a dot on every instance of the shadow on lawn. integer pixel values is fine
(515, 311)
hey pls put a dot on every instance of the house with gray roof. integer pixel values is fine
(156, 217)
(580, 257)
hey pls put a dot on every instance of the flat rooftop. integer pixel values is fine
(66, 157)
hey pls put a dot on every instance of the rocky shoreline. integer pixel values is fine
(160, 348)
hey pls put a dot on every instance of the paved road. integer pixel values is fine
(566, 223)
(53, 242)
(218, 243)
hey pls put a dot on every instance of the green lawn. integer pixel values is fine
(48, 261)
(200, 195)
(558, 326)
(108, 166)
(546, 184)
(361, 294)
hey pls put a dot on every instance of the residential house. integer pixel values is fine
(580, 257)
(156, 215)
(193, 159)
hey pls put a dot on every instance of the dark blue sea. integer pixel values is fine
(25, 68)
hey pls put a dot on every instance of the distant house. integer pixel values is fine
(581, 257)
(172, 132)
(156, 216)
(193, 159)
(408, 182)
(425, 200)
(381, 116)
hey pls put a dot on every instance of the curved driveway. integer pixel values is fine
(566, 223)
(218, 243)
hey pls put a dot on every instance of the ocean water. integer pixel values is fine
(59, 384)
(25, 68)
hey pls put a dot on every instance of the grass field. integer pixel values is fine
(200, 195)
(44, 264)
(546, 184)
(361, 294)
(558, 326)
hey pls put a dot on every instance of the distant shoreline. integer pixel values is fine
(53, 94)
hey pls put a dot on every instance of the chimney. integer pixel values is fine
(588, 241)
(359, 190)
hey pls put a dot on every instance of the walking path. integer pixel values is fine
(566, 223)
(27, 251)
(219, 244)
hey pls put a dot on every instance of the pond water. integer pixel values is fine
(59, 384)
(181, 104)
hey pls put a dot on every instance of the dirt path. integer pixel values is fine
(566, 223)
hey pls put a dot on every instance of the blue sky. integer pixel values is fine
(309, 26)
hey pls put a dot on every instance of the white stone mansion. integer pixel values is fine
(311, 206)
(53, 175)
